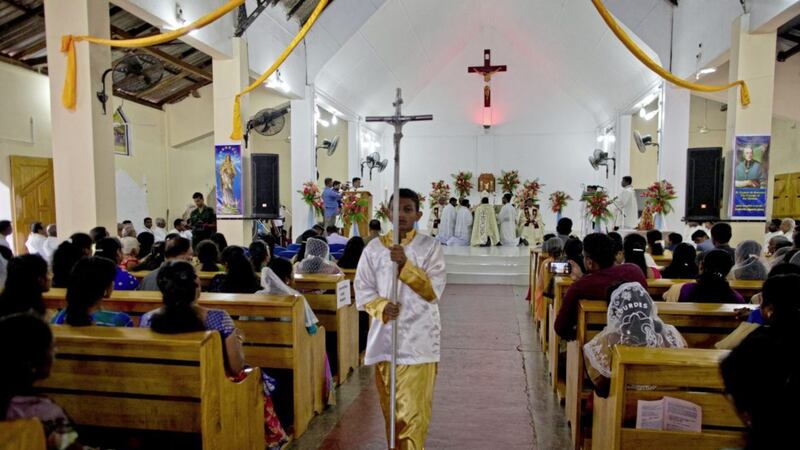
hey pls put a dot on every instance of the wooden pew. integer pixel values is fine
(701, 324)
(656, 288)
(278, 342)
(342, 321)
(205, 277)
(137, 379)
(662, 260)
(533, 268)
(22, 434)
(688, 374)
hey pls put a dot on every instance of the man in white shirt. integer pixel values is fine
(773, 229)
(787, 228)
(334, 237)
(628, 215)
(35, 242)
(508, 223)
(51, 243)
(180, 228)
(148, 226)
(160, 231)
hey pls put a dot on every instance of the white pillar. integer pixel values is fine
(354, 149)
(231, 76)
(303, 141)
(83, 156)
(674, 143)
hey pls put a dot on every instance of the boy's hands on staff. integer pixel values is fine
(390, 312)
(398, 255)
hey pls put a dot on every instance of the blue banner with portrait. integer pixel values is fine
(228, 170)
(750, 181)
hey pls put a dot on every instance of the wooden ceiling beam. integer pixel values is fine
(35, 61)
(14, 62)
(183, 92)
(15, 22)
(159, 85)
(41, 45)
(135, 99)
(166, 57)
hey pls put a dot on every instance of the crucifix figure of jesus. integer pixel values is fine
(397, 121)
(487, 70)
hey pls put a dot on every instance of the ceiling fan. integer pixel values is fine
(601, 158)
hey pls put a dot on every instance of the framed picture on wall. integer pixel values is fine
(122, 134)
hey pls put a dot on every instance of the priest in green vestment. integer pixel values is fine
(484, 226)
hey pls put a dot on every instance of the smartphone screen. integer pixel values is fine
(560, 268)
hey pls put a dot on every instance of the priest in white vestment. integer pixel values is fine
(462, 232)
(484, 226)
(447, 223)
(531, 225)
(508, 223)
(628, 208)
(421, 281)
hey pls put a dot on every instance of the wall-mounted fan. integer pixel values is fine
(642, 142)
(267, 122)
(329, 145)
(601, 158)
(374, 161)
(134, 73)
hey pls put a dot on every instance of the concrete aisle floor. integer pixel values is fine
(491, 392)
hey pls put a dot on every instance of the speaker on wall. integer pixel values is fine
(266, 188)
(704, 178)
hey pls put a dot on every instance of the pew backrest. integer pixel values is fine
(137, 379)
(22, 434)
(688, 374)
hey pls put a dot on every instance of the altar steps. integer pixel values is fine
(482, 265)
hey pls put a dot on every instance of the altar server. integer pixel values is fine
(447, 221)
(463, 226)
(508, 222)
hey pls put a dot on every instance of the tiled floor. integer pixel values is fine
(491, 391)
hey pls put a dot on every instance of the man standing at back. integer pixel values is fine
(628, 216)
(602, 273)
(331, 199)
(203, 220)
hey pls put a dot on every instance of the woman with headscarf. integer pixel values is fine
(748, 262)
(317, 259)
(633, 321)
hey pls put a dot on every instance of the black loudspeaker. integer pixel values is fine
(704, 175)
(266, 186)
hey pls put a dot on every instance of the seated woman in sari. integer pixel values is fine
(552, 250)
(180, 288)
(711, 285)
(92, 280)
(632, 320)
(317, 259)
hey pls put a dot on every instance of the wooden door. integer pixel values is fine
(781, 196)
(794, 209)
(33, 194)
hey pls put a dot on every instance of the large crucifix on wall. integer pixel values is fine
(487, 70)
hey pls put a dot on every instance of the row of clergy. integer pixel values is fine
(457, 224)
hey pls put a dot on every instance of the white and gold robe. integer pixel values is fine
(422, 281)
(484, 226)
(508, 225)
(531, 226)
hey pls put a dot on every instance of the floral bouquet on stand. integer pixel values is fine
(422, 199)
(597, 206)
(312, 197)
(440, 190)
(558, 201)
(354, 210)
(463, 183)
(658, 197)
(509, 181)
(382, 211)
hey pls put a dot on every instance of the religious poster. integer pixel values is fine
(122, 136)
(228, 170)
(750, 167)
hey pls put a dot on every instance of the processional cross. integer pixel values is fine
(397, 121)
(487, 70)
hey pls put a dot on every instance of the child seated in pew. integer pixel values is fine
(27, 355)
(761, 374)
(633, 321)
(91, 281)
(239, 276)
(711, 285)
(180, 288)
(110, 248)
(130, 253)
(552, 249)
(27, 278)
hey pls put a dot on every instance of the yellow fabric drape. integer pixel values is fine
(744, 93)
(68, 96)
(238, 133)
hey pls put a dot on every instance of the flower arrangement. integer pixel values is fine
(353, 207)
(558, 201)
(598, 206)
(659, 197)
(382, 211)
(509, 181)
(312, 196)
(440, 190)
(421, 199)
(530, 190)
(463, 183)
